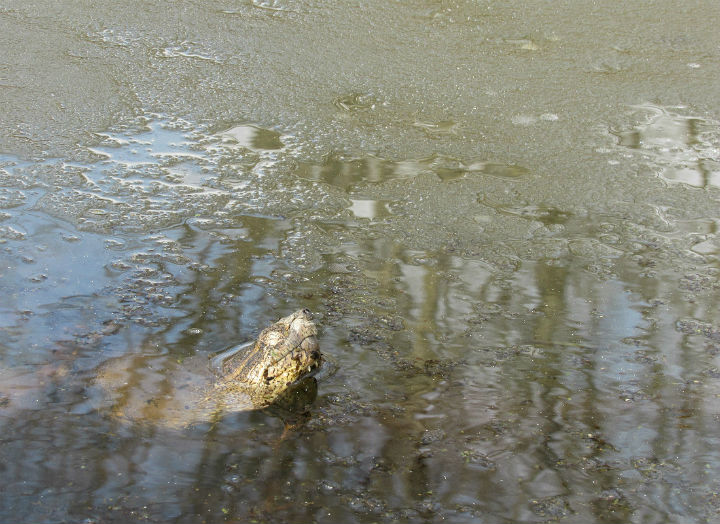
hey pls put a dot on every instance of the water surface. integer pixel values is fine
(504, 218)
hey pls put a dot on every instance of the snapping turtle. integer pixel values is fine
(275, 369)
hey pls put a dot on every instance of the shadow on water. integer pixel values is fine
(468, 386)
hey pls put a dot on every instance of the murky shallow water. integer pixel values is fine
(514, 263)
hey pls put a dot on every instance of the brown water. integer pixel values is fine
(505, 219)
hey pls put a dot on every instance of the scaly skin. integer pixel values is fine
(283, 353)
(157, 389)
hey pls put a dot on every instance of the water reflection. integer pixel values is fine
(559, 382)
(579, 385)
(682, 146)
(367, 208)
(253, 137)
(350, 174)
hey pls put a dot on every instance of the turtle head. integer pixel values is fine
(284, 352)
(291, 349)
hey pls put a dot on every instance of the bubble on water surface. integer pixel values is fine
(115, 36)
(11, 198)
(444, 127)
(527, 44)
(523, 120)
(158, 205)
(188, 49)
(549, 117)
(270, 8)
(353, 102)
(270, 5)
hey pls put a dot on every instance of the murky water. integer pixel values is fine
(505, 219)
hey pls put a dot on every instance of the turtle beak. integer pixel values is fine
(311, 346)
(315, 361)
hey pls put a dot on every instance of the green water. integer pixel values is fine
(504, 218)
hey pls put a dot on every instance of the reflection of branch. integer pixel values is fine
(563, 344)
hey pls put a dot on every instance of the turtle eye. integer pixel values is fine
(267, 378)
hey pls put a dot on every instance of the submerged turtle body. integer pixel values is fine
(160, 390)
